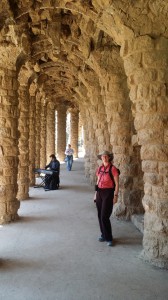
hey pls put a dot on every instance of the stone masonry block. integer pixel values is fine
(162, 208)
(147, 189)
(8, 162)
(159, 192)
(154, 152)
(151, 135)
(163, 168)
(132, 62)
(142, 76)
(146, 106)
(166, 136)
(150, 166)
(153, 179)
(156, 60)
(121, 129)
(144, 121)
(15, 84)
(148, 201)
(162, 103)
(7, 83)
(143, 91)
(133, 93)
(10, 151)
(13, 206)
(2, 208)
(144, 42)
(162, 75)
(153, 222)
(161, 43)
(157, 89)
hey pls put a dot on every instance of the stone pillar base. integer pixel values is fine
(8, 218)
(157, 262)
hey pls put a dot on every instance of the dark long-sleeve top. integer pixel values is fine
(54, 165)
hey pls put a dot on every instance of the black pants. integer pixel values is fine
(104, 203)
(52, 181)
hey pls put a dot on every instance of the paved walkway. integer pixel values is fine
(52, 253)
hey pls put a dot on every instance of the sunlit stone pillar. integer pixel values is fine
(74, 123)
(146, 64)
(23, 126)
(50, 141)
(9, 205)
(32, 134)
(61, 131)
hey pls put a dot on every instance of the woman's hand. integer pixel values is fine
(115, 199)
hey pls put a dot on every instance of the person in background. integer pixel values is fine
(69, 157)
(107, 194)
(52, 181)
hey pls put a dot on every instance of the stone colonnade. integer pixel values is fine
(27, 137)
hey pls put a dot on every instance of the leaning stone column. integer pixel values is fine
(146, 64)
(61, 132)
(8, 142)
(74, 123)
(23, 167)
(32, 135)
(50, 141)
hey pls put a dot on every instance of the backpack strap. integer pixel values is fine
(111, 174)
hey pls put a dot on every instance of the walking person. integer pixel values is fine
(107, 194)
(69, 157)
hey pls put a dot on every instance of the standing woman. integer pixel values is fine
(69, 157)
(107, 195)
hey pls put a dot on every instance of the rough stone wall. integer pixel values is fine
(148, 80)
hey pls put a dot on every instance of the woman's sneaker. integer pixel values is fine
(110, 243)
(101, 239)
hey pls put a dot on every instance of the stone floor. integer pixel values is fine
(52, 252)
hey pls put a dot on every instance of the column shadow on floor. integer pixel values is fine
(8, 264)
(30, 219)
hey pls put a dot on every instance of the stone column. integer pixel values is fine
(91, 145)
(23, 126)
(146, 64)
(43, 136)
(74, 123)
(38, 129)
(61, 131)
(32, 134)
(8, 140)
(50, 141)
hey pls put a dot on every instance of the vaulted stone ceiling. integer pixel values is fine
(68, 42)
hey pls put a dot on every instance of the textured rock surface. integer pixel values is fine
(107, 60)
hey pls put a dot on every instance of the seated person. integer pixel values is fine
(52, 181)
